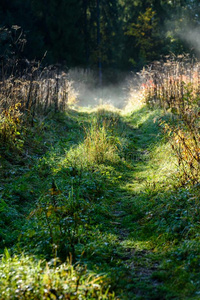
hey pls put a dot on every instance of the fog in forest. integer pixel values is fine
(90, 92)
(191, 36)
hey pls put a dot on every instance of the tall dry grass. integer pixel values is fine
(166, 83)
(27, 94)
(37, 91)
(174, 84)
(27, 83)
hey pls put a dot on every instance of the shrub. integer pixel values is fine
(10, 127)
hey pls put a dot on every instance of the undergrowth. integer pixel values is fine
(30, 278)
(174, 85)
(105, 190)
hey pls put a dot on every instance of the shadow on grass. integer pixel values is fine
(91, 212)
(101, 239)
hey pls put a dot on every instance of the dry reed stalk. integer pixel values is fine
(36, 92)
(175, 85)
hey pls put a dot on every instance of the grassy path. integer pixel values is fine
(98, 185)
(136, 252)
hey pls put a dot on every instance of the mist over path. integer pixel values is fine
(113, 94)
(114, 90)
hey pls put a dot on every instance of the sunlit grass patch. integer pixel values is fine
(174, 86)
(136, 245)
(161, 166)
(98, 147)
(106, 108)
(135, 100)
(27, 278)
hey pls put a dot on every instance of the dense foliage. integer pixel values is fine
(120, 34)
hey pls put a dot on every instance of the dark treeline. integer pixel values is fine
(121, 34)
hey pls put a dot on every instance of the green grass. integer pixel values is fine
(26, 277)
(102, 188)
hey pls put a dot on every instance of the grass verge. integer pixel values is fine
(108, 195)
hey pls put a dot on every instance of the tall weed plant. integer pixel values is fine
(99, 147)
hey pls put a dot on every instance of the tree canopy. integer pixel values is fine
(123, 34)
